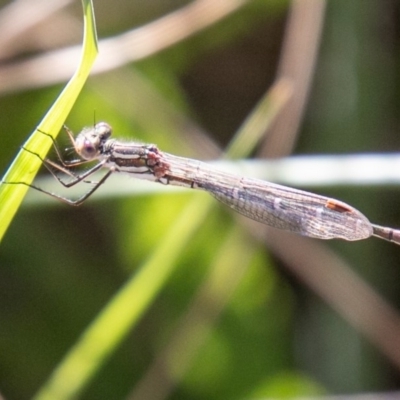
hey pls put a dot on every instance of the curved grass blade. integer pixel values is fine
(25, 166)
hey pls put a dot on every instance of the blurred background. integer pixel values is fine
(247, 312)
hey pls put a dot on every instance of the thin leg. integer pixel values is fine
(65, 164)
(76, 177)
(64, 167)
(76, 202)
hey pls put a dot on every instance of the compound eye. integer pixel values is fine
(88, 150)
(103, 130)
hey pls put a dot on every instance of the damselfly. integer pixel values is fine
(278, 206)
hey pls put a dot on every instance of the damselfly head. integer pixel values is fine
(89, 142)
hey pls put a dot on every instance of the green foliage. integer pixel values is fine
(167, 292)
(25, 166)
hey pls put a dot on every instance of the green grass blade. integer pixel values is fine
(25, 166)
(124, 310)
